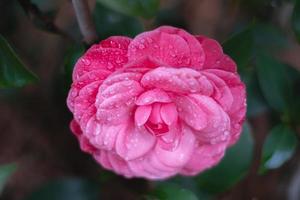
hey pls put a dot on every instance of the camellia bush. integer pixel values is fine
(150, 99)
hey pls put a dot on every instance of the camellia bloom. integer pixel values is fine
(161, 104)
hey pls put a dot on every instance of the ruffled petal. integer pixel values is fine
(116, 98)
(110, 55)
(152, 96)
(203, 157)
(214, 56)
(179, 156)
(173, 47)
(134, 142)
(182, 81)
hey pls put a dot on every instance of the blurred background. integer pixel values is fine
(39, 44)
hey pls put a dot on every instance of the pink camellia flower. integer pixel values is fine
(161, 104)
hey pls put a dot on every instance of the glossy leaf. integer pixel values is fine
(109, 22)
(240, 47)
(168, 191)
(278, 148)
(256, 104)
(274, 82)
(296, 19)
(5, 172)
(71, 58)
(232, 168)
(13, 73)
(143, 8)
(67, 188)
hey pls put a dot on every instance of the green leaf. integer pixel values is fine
(296, 20)
(5, 172)
(143, 8)
(67, 188)
(269, 38)
(169, 191)
(13, 73)
(109, 22)
(240, 47)
(231, 169)
(256, 104)
(71, 58)
(278, 148)
(274, 82)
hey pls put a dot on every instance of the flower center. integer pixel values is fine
(157, 129)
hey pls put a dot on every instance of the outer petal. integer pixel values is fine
(214, 56)
(86, 79)
(85, 144)
(171, 46)
(205, 156)
(110, 54)
(218, 122)
(237, 110)
(112, 161)
(179, 156)
(134, 142)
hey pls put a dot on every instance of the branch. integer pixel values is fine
(85, 21)
(36, 16)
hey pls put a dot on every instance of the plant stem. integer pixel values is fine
(85, 21)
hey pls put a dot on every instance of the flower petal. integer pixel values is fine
(142, 114)
(171, 46)
(152, 96)
(178, 157)
(168, 113)
(134, 142)
(203, 157)
(183, 80)
(110, 54)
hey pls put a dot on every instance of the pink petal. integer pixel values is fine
(119, 165)
(179, 156)
(142, 114)
(152, 96)
(222, 93)
(134, 142)
(84, 80)
(237, 110)
(197, 52)
(214, 57)
(165, 45)
(116, 98)
(155, 117)
(183, 80)
(109, 55)
(203, 157)
(85, 99)
(118, 42)
(191, 113)
(218, 122)
(102, 158)
(168, 113)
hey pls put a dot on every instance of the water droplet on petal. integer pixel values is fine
(109, 66)
(141, 46)
(226, 133)
(86, 61)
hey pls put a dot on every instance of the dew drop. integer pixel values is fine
(226, 133)
(86, 61)
(141, 46)
(109, 66)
